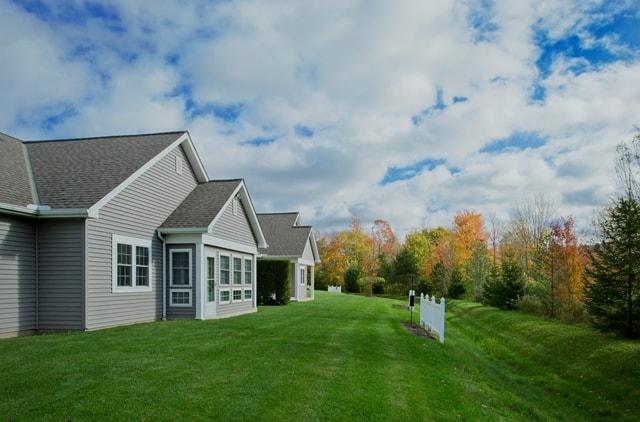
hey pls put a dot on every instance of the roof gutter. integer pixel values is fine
(43, 211)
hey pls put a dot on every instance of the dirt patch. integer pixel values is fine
(416, 329)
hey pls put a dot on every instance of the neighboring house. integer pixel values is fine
(107, 231)
(291, 241)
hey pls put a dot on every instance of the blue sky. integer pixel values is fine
(405, 111)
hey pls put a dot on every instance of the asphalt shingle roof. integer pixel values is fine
(77, 173)
(202, 205)
(15, 187)
(283, 238)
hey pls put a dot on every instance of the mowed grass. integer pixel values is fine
(338, 358)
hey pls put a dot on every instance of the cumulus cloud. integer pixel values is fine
(408, 112)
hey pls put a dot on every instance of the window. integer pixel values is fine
(224, 269)
(303, 275)
(237, 270)
(180, 297)
(248, 294)
(180, 267)
(237, 295)
(224, 296)
(131, 264)
(211, 279)
(142, 266)
(248, 264)
(124, 265)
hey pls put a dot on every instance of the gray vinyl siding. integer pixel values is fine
(17, 275)
(60, 274)
(307, 255)
(135, 212)
(235, 228)
(234, 308)
(181, 312)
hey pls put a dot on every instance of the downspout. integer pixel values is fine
(164, 276)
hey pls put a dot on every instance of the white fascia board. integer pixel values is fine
(177, 238)
(182, 230)
(314, 246)
(17, 210)
(194, 160)
(228, 244)
(44, 211)
(65, 213)
(253, 217)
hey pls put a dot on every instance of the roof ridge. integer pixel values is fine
(279, 213)
(225, 180)
(139, 135)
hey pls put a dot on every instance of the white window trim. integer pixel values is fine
(229, 270)
(234, 270)
(244, 270)
(244, 298)
(171, 291)
(241, 295)
(228, 290)
(303, 275)
(171, 251)
(126, 240)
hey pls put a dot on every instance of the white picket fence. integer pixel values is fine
(335, 289)
(432, 315)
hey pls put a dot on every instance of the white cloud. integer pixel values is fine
(364, 77)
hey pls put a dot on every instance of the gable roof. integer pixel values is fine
(15, 185)
(204, 205)
(285, 237)
(83, 174)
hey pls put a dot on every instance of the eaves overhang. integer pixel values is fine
(43, 211)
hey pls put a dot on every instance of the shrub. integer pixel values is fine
(351, 277)
(273, 282)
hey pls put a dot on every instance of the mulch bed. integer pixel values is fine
(417, 329)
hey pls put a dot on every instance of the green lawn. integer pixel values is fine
(340, 357)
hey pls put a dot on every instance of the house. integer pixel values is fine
(107, 231)
(291, 241)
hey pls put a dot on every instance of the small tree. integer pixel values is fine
(456, 288)
(612, 285)
(504, 286)
(351, 277)
(405, 270)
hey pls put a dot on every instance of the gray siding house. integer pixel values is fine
(289, 240)
(100, 232)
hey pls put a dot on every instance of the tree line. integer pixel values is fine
(534, 262)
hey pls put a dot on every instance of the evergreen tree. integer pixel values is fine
(504, 285)
(439, 278)
(351, 277)
(456, 288)
(405, 269)
(612, 285)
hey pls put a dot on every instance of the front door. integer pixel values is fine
(210, 306)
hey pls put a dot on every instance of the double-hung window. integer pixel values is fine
(237, 270)
(224, 270)
(248, 271)
(131, 259)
